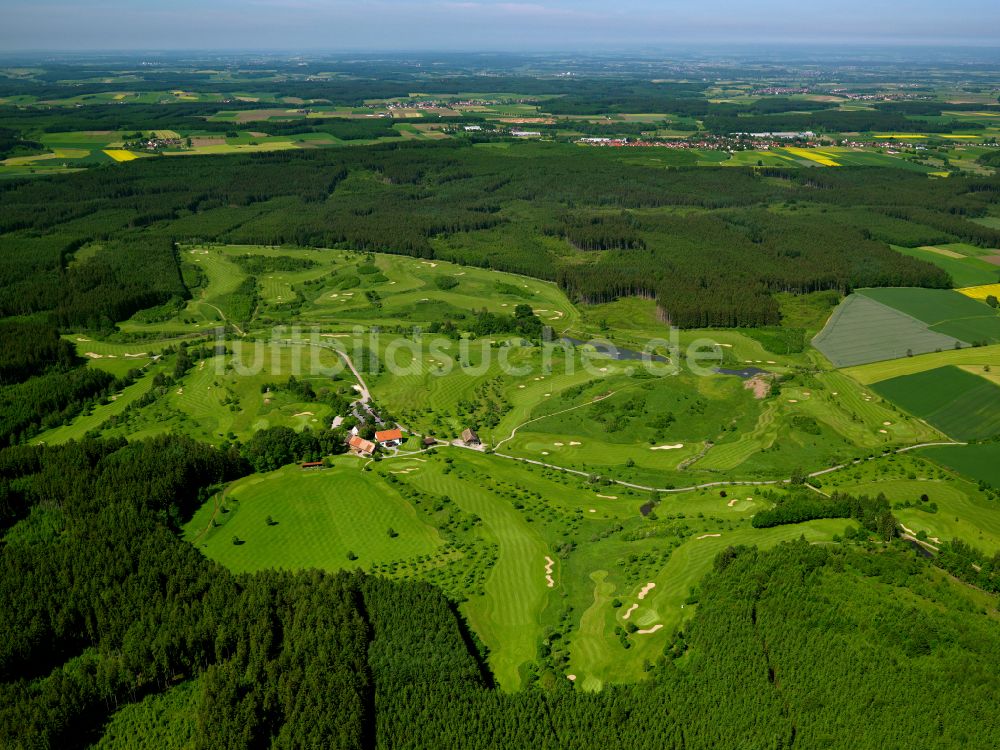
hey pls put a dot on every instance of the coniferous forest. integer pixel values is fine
(702, 242)
(104, 606)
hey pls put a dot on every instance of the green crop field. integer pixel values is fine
(960, 404)
(980, 462)
(983, 358)
(863, 329)
(944, 311)
(967, 270)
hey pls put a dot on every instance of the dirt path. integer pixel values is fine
(226, 320)
(705, 485)
(546, 416)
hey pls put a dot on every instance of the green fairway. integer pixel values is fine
(960, 404)
(319, 516)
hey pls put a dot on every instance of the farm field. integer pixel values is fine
(962, 405)
(965, 270)
(944, 311)
(983, 359)
(980, 462)
(863, 329)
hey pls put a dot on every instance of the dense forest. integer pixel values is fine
(102, 606)
(701, 242)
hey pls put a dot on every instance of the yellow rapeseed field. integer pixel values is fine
(813, 155)
(981, 292)
(120, 154)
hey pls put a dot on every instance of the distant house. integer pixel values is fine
(389, 438)
(429, 441)
(313, 465)
(469, 437)
(361, 446)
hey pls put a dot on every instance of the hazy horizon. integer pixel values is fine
(469, 25)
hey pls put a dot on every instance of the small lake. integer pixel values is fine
(746, 372)
(615, 352)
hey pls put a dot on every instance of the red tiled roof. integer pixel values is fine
(360, 444)
(385, 435)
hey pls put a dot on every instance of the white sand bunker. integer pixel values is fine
(649, 631)
(545, 453)
(547, 395)
(793, 401)
(522, 386)
(733, 502)
(668, 447)
(571, 677)
(886, 424)
(645, 590)
(81, 338)
(727, 346)
(593, 510)
(884, 432)
(549, 563)
(629, 611)
(559, 445)
(575, 442)
(94, 355)
(708, 536)
(608, 497)
(304, 414)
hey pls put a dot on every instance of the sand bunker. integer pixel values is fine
(884, 432)
(609, 497)
(549, 563)
(793, 401)
(645, 590)
(559, 445)
(629, 611)
(93, 355)
(575, 442)
(571, 677)
(592, 510)
(673, 447)
(81, 338)
(304, 414)
(708, 536)
(545, 453)
(733, 502)
(886, 424)
(649, 631)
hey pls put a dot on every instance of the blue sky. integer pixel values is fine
(484, 24)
